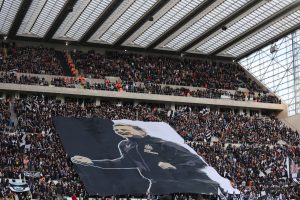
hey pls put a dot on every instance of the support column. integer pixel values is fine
(135, 103)
(208, 108)
(16, 95)
(248, 112)
(241, 111)
(173, 106)
(98, 102)
(61, 98)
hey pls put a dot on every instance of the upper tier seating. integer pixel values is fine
(31, 60)
(163, 70)
(138, 73)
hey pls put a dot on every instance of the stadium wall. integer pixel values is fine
(293, 122)
(141, 96)
(114, 79)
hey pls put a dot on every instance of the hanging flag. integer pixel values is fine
(287, 164)
(293, 170)
(221, 196)
(208, 135)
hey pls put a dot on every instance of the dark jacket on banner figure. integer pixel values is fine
(162, 163)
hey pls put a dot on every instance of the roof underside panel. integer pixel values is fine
(191, 26)
(287, 22)
(8, 11)
(263, 11)
(122, 20)
(40, 17)
(84, 14)
(220, 11)
(171, 17)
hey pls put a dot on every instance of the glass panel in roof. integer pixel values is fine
(82, 18)
(171, 17)
(30, 17)
(266, 34)
(221, 11)
(279, 71)
(78, 9)
(8, 11)
(47, 17)
(264, 11)
(39, 17)
(132, 14)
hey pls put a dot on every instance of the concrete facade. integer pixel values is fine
(59, 91)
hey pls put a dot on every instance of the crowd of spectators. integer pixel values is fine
(255, 169)
(4, 116)
(33, 146)
(137, 73)
(163, 70)
(248, 150)
(235, 128)
(31, 60)
(131, 67)
(148, 87)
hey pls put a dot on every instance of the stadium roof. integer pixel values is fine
(173, 26)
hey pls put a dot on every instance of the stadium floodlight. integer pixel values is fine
(151, 19)
(273, 49)
(224, 28)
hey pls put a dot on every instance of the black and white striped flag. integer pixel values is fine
(221, 196)
(208, 135)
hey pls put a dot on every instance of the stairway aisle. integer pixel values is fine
(13, 115)
(63, 62)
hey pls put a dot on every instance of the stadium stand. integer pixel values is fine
(231, 143)
(164, 99)
(163, 70)
(31, 60)
(135, 73)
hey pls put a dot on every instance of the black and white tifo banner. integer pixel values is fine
(18, 185)
(135, 157)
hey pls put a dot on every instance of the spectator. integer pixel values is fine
(32, 60)
(231, 143)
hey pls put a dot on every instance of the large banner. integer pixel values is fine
(135, 157)
(18, 185)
